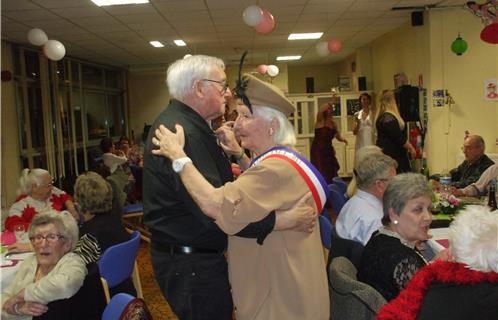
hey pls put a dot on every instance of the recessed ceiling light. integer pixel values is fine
(305, 36)
(283, 58)
(180, 43)
(156, 44)
(103, 3)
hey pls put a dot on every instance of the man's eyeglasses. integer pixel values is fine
(51, 238)
(223, 84)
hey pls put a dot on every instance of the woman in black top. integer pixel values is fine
(101, 229)
(391, 257)
(391, 133)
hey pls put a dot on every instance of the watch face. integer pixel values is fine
(177, 166)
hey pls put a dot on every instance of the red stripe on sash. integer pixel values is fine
(306, 178)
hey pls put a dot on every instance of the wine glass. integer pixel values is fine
(21, 234)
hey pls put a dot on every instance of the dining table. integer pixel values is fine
(9, 265)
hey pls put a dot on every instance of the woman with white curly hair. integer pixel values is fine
(466, 287)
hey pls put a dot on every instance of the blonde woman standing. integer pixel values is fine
(391, 132)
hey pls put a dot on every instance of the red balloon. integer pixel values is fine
(490, 33)
(261, 69)
(267, 23)
(334, 45)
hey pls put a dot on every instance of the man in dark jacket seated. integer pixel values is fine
(475, 163)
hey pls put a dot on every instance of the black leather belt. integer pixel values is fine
(178, 249)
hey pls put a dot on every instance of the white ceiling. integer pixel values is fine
(120, 35)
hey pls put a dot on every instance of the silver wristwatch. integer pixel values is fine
(179, 163)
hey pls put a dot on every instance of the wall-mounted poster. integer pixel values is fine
(491, 90)
(438, 98)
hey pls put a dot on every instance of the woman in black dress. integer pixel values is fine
(391, 132)
(322, 151)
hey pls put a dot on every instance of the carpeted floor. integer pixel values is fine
(152, 294)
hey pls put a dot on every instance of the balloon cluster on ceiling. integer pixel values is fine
(260, 19)
(324, 48)
(53, 49)
(263, 22)
(270, 70)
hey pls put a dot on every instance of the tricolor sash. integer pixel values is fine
(314, 180)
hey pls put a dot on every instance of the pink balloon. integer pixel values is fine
(335, 45)
(261, 69)
(267, 23)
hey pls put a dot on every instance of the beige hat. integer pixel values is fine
(261, 93)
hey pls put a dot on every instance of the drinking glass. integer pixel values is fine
(21, 234)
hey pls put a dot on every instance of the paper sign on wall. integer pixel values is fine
(491, 90)
(438, 98)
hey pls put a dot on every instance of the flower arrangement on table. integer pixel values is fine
(446, 203)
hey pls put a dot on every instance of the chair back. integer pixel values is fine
(340, 247)
(124, 306)
(117, 262)
(336, 200)
(343, 186)
(325, 230)
(351, 299)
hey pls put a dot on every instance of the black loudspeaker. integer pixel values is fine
(310, 85)
(417, 18)
(408, 103)
(362, 83)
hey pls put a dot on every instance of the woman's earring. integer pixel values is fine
(395, 221)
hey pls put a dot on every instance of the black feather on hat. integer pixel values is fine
(241, 84)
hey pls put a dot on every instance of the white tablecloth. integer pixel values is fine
(438, 234)
(9, 266)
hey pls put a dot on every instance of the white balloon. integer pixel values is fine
(272, 70)
(54, 50)
(37, 37)
(252, 15)
(322, 49)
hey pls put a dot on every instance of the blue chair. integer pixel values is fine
(341, 184)
(126, 306)
(337, 188)
(325, 231)
(118, 263)
(336, 201)
(133, 220)
(116, 306)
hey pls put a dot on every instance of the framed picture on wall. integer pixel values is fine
(344, 83)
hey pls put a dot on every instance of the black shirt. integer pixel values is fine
(388, 265)
(169, 211)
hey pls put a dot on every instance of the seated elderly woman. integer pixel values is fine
(52, 273)
(466, 287)
(391, 257)
(36, 194)
(101, 228)
(285, 277)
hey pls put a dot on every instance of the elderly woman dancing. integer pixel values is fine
(36, 194)
(52, 273)
(391, 256)
(285, 277)
(464, 288)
